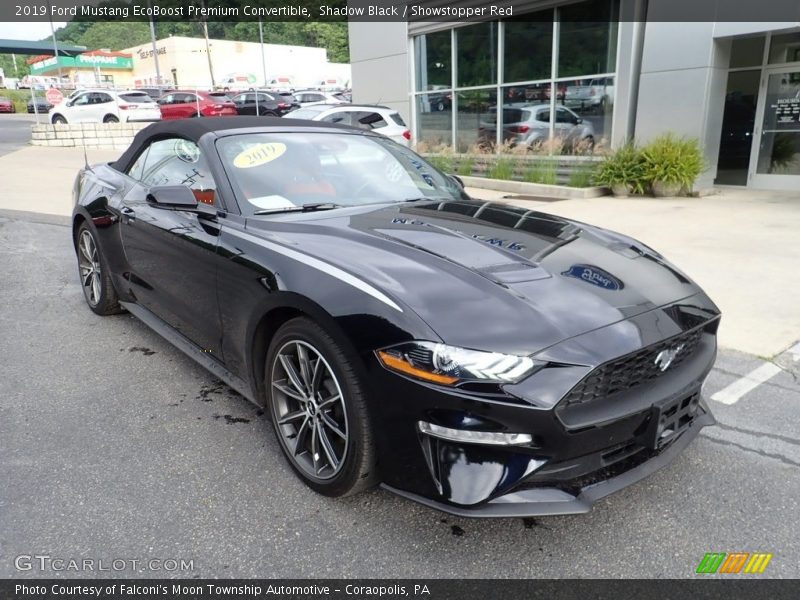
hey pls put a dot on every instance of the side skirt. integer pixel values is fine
(190, 349)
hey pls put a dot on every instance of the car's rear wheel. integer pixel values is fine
(110, 119)
(95, 280)
(59, 120)
(319, 410)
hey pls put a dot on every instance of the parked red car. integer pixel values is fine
(184, 104)
(6, 105)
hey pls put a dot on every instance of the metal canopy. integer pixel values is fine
(36, 48)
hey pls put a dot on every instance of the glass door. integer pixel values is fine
(775, 163)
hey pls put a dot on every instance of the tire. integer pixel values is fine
(339, 430)
(110, 119)
(98, 290)
(440, 106)
(59, 120)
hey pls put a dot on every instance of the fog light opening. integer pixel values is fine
(491, 438)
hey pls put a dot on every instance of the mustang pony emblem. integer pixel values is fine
(665, 357)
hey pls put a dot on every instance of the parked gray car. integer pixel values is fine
(529, 124)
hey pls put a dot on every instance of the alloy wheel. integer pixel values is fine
(89, 267)
(309, 410)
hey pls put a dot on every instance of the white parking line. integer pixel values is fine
(795, 352)
(732, 393)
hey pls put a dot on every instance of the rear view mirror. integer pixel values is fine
(179, 197)
(172, 196)
(457, 180)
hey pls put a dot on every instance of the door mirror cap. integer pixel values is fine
(457, 180)
(578, 121)
(179, 197)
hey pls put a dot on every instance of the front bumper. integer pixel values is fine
(580, 451)
(550, 501)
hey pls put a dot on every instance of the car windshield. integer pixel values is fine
(135, 98)
(283, 171)
(308, 112)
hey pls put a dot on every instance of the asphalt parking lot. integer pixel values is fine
(16, 131)
(113, 445)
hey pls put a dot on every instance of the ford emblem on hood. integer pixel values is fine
(595, 276)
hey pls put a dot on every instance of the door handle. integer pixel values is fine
(128, 213)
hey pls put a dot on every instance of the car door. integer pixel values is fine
(76, 112)
(566, 125)
(172, 253)
(101, 104)
(245, 104)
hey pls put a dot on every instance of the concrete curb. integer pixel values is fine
(110, 136)
(534, 189)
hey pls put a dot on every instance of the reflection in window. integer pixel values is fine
(432, 53)
(434, 119)
(528, 47)
(477, 119)
(747, 52)
(477, 54)
(588, 38)
(784, 48)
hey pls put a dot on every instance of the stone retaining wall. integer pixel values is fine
(116, 136)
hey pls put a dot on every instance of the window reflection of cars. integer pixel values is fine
(595, 95)
(529, 124)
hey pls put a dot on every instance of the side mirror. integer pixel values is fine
(68, 103)
(578, 121)
(178, 197)
(457, 180)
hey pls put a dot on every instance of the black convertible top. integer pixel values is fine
(194, 129)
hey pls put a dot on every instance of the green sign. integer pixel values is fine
(82, 61)
(104, 62)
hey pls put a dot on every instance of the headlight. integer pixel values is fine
(448, 365)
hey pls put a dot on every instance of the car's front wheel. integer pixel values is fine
(59, 120)
(319, 410)
(98, 290)
(111, 119)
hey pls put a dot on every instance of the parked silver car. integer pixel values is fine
(529, 124)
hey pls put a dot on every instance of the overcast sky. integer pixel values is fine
(26, 31)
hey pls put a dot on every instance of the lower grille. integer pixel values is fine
(636, 368)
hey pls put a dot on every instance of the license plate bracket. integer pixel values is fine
(671, 419)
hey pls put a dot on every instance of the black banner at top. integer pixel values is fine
(437, 589)
(778, 11)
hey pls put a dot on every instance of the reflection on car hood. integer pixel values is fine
(482, 274)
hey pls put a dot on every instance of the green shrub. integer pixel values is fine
(625, 166)
(674, 160)
(465, 165)
(441, 162)
(542, 171)
(582, 175)
(502, 168)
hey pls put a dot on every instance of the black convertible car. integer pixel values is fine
(482, 359)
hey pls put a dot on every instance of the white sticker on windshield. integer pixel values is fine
(259, 154)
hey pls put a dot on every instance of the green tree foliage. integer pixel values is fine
(117, 35)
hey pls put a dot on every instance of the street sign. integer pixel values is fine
(54, 96)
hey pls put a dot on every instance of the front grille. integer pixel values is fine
(633, 369)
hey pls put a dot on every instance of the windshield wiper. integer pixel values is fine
(310, 207)
(428, 198)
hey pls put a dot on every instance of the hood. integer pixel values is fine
(488, 275)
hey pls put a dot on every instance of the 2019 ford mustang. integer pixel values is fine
(483, 359)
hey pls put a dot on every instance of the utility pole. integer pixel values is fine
(263, 58)
(208, 47)
(155, 50)
(55, 44)
(14, 60)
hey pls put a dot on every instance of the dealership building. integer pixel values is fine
(615, 65)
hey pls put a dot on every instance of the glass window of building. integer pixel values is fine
(434, 120)
(476, 46)
(587, 42)
(433, 60)
(747, 52)
(785, 48)
(476, 124)
(528, 47)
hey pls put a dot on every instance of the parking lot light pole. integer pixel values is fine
(55, 44)
(263, 58)
(153, 41)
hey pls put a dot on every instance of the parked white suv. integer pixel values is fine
(106, 106)
(380, 119)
